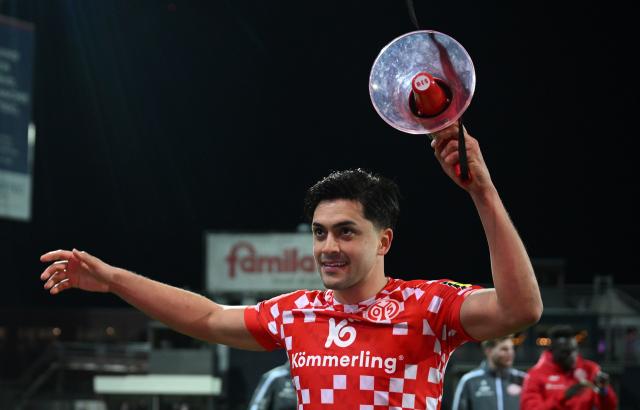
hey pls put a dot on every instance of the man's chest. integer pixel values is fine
(495, 391)
(360, 339)
(559, 382)
(392, 352)
(353, 353)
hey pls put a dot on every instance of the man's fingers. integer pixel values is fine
(452, 158)
(55, 275)
(60, 254)
(60, 286)
(452, 146)
(439, 142)
(450, 132)
(85, 257)
(56, 278)
(52, 269)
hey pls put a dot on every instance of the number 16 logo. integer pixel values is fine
(340, 334)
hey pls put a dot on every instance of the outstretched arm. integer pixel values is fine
(514, 303)
(184, 311)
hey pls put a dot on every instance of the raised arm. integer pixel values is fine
(514, 303)
(184, 311)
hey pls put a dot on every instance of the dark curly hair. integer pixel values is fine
(379, 196)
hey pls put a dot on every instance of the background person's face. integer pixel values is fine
(565, 352)
(502, 354)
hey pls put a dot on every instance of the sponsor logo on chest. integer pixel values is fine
(554, 383)
(341, 334)
(383, 310)
(484, 390)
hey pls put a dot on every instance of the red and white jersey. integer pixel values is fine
(388, 352)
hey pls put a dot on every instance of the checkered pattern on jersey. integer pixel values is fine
(388, 352)
(381, 393)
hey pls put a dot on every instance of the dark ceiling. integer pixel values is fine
(157, 121)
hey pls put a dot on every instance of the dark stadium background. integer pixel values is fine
(159, 120)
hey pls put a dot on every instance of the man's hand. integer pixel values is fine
(184, 311)
(75, 269)
(445, 145)
(602, 379)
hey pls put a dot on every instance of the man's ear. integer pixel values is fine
(384, 244)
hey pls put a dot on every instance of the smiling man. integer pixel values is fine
(368, 340)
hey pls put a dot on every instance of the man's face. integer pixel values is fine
(346, 245)
(565, 352)
(501, 355)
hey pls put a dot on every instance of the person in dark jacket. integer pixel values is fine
(495, 385)
(564, 380)
(275, 391)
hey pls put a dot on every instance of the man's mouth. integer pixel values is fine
(332, 266)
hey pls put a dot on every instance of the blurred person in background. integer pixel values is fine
(563, 379)
(495, 384)
(275, 391)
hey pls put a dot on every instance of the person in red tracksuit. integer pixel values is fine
(564, 380)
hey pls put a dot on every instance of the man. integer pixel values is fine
(368, 339)
(495, 384)
(275, 391)
(562, 379)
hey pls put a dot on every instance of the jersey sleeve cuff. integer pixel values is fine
(259, 333)
(458, 306)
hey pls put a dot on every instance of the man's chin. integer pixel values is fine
(332, 282)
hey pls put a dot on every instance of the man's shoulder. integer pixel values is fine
(432, 283)
(279, 371)
(538, 371)
(297, 299)
(416, 290)
(589, 365)
(436, 287)
(517, 374)
(472, 375)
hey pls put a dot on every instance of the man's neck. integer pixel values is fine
(498, 370)
(493, 366)
(364, 290)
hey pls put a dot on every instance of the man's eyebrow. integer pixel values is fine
(337, 225)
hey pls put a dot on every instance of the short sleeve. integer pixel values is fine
(264, 320)
(443, 306)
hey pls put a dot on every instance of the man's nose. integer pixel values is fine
(331, 245)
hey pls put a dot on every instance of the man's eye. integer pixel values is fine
(347, 231)
(318, 232)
